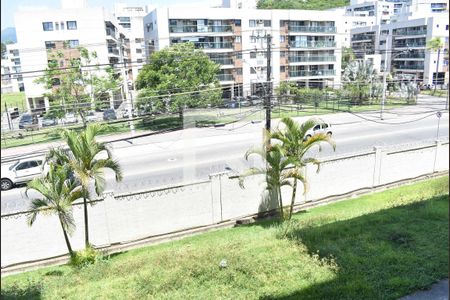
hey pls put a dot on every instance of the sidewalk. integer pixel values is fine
(438, 291)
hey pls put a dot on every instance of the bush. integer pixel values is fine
(85, 257)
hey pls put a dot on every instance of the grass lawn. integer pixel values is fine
(13, 100)
(439, 93)
(378, 246)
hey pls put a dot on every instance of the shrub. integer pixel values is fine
(85, 257)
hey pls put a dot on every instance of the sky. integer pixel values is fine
(9, 7)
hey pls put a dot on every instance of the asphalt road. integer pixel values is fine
(194, 154)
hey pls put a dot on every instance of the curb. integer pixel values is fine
(173, 236)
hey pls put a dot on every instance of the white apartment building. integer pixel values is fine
(12, 79)
(404, 41)
(39, 33)
(130, 19)
(305, 44)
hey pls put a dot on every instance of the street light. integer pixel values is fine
(384, 77)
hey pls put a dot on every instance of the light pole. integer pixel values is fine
(383, 99)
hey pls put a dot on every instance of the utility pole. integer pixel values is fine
(125, 89)
(383, 99)
(269, 83)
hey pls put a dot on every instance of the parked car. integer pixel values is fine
(319, 128)
(109, 114)
(22, 171)
(91, 117)
(49, 121)
(125, 113)
(254, 100)
(70, 118)
(29, 122)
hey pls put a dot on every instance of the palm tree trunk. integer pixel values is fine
(86, 225)
(294, 192)
(66, 238)
(437, 70)
(280, 199)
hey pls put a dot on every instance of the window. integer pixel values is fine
(251, 23)
(382, 43)
(138, 40)
(446, 27)
(124, 19)
(283, 54)
(267, 23)
(252, 70)
(23, 166)
(125, 25)
(33, 164)
(48, 26)
(237, 22)
(238, 39)
(50, 45)
(56, 26)
(324, 126)
(239, 71)
(71, 25)
(149, 27)
(138, 50)
(62, 25)
(74, 43)
(139, 60)
(252, 54)
(239, 55)
(282, 69)
(282, 38)
(317, 127)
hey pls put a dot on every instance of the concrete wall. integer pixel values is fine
(141, 214)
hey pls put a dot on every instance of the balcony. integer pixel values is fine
(358, 38)
(313, 44)
(409, 67)
(410, 32)
(312, 58)
(410, 55)
(306, 73)
(200, 28)
(113, 51)
(111, 33)
(213, 45)
(223, 61)
(314, 29)
(225, 77)
(410, 45)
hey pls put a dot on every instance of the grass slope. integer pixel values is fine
(302, 4)
(378, 246)
(13, 100)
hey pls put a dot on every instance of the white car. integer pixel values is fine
(70, 118)
(319, 128)
(22, 171)
(91, 117)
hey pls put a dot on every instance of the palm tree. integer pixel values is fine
(59, 191)
(295, 145)
(86, 165)
(275, 170)
(357, 75)
(436, 44)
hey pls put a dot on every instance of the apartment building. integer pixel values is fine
(404, 42)
(12, 79)
(305, 44)
(41, 33)
(130, 20)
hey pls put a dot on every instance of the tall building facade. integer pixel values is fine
(40, 34)
(402, 43)
(12, 78)
(305, 44)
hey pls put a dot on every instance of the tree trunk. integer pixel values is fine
(437, 70)
(280, 199)
(86, 225)
(294, 192)
(66, 238)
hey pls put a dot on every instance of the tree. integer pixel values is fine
(436, 44)
(59, 190)
(357, 77)
(275, 170)
(178, 77)
(295, 146)
(85, 164)
(67, 79)
(284, 90)
(348, 55)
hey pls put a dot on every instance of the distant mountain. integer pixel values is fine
(9, 34)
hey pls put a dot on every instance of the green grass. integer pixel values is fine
(378, 246)
(439, 93)
(13, 100)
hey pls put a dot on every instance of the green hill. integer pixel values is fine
(302, 4)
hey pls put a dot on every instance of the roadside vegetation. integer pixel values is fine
(301, 4)
(13, 100)
(378, 246)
